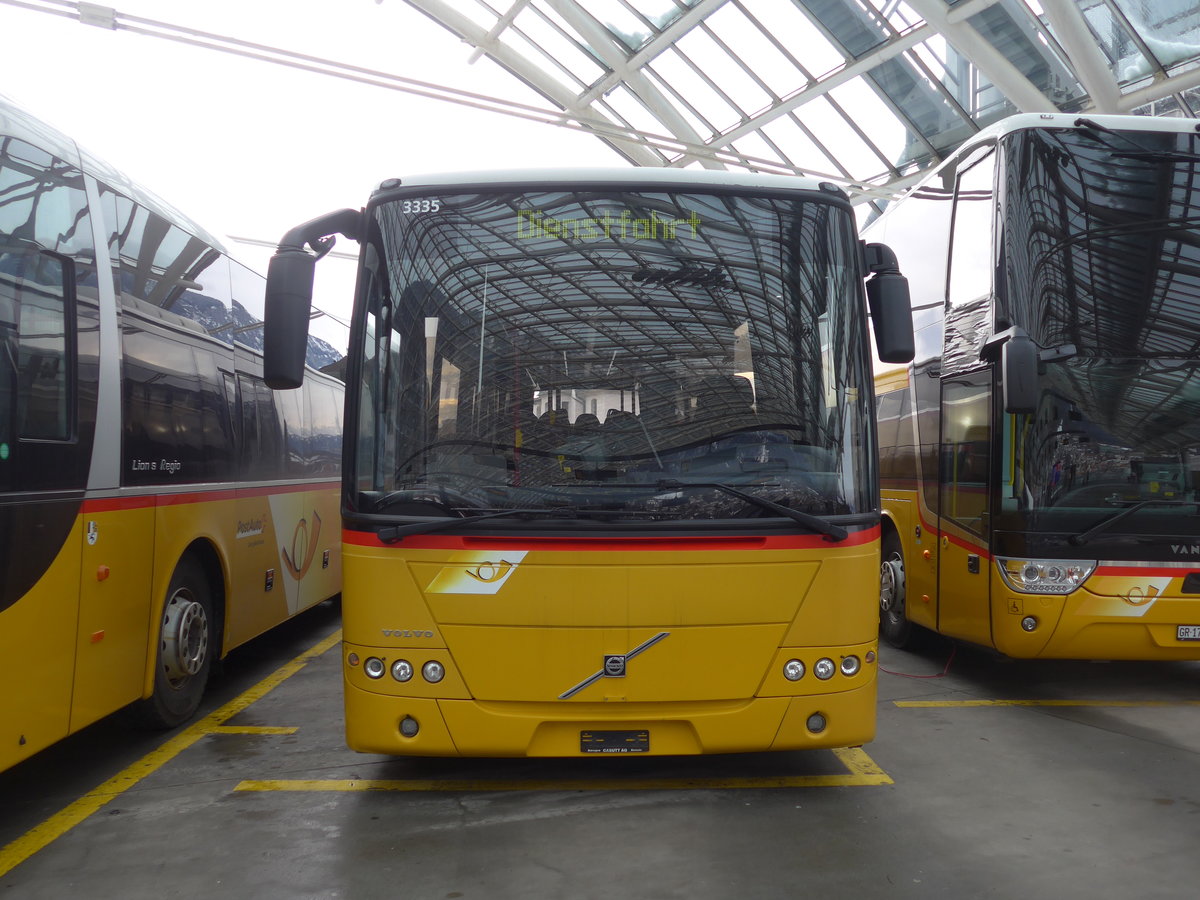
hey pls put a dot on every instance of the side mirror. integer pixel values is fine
(285, 327)
(891, 308)
(290, 276)
(1019, 373)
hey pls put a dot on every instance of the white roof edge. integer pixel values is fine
(19, 122)
(1033, 121)
(1025, 121)
(613, 175)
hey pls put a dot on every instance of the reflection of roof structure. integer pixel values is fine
(866, 92)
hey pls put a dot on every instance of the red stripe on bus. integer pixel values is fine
(928, 530)
(1152, 571)
(723, 542)
(111, 504)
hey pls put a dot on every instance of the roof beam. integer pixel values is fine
(498, 29)
(1091, 66)
(1162, 87)
(853, 69)
(1003, 75)
(655, 48)
(602, 44)
(451, 18)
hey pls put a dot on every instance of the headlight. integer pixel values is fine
(374, 667)
(850, 665)
(1044, 576)
(433, 671)
(402, 670)
(793, 670)
(824, 668)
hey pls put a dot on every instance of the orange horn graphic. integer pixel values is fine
(302, 545)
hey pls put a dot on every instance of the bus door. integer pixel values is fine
(963, 519)
(40, 496)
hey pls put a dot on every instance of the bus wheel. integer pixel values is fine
(185, 650)
(894, 626)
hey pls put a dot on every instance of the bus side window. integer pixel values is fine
(36, 299)
(971, 244)
(966, 439)
(887, 417)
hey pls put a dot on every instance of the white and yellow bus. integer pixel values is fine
(158, 504)
(1041, 455)
(610, 479)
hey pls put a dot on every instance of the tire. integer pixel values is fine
(186, 646)
(894, 626)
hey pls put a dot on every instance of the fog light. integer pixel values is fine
(793, 670)
(850, 665)
(433, 671)
(409, 726)
(402, 670)
(816, 723)
(1029, 623)
(374, 667)
(824, 668)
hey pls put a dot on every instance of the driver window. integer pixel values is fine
(971, 242)
(966, 449)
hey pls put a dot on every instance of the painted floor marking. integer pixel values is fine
(939, 704)
(861, 770)
(63, 821)
(254, 729)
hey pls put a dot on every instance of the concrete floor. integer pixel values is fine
(1092, 792)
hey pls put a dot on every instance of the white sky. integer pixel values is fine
(250, 148)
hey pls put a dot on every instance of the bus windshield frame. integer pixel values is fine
(609, 356)
(1103, 266)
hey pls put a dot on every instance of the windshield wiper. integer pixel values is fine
(1104, 525)
(393, 533)
(816, 523)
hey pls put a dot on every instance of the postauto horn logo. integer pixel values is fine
(304, 547)
(476, 572)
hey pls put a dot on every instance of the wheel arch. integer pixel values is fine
(212, 563)
(889, 527)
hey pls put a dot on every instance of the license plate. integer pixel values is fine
(1187, 633)
(615, 741)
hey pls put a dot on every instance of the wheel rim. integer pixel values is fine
(891, 588)
(184, 637)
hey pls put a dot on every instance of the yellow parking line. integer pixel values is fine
(862, 770)
(254, 729)
(932, 704)
(63, 821)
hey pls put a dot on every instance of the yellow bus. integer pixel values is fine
(610, 479)
(158, 504)
(1040, 457)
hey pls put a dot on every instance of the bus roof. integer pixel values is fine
(18, 122)
(631, 175)
(1030, 121)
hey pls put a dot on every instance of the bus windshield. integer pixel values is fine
(1103, 263)
(627, 355)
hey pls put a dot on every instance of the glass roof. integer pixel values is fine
(867, 93)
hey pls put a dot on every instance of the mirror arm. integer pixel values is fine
(317, 233)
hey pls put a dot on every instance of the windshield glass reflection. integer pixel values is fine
(1102, 253)
(621, 354)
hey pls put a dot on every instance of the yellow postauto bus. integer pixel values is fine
(159, 505)
(610, 479)
(1040, 458)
